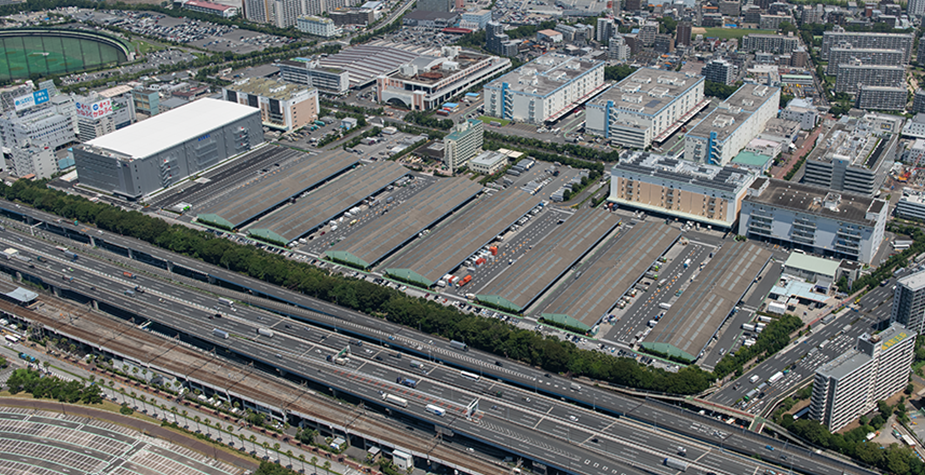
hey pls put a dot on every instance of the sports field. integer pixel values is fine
(29, 54)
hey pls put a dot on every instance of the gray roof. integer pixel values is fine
(843, 365)
(813, 200)
(648, 90)
(733, 112)
(728, 179)
(22, 295)
(913, 282)
(545, 74)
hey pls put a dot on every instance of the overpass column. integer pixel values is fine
(130, 256)
(56, 290)
(95, 303)
(92, 241)
(169, 266)
(18, 276)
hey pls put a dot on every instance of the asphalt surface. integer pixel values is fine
(650, 412)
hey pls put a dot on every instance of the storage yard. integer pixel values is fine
(517, 287)
(590, 296)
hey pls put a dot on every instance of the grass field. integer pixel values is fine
(486, 119)
(144, 47)
(727, 33)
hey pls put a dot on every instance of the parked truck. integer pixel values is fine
(265, 332)
(664, 305)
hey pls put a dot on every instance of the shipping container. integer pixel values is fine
(220, 333)
(748, 327)
(494, 250)
(764, 319)
(465, 280)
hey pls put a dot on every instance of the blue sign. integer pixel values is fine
(41, 96)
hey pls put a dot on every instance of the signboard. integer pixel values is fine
(29, 100)
(94, 110)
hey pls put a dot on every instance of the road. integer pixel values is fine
(512, 374)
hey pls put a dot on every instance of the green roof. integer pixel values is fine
(499, 302)
(565, 320)
(349, 258)
(409, 275)
(215, 219)
(751, 159)
(813, 264)
(269, 236)
(667, 349)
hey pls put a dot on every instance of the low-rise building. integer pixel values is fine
(882, 98)
(550, 36)
(318, 26)
(146, 101)
(353, 16)
(479, 17)
(427, 82)
(283, 106)
(802, 111)
(911, 205)
(224, 11)
(811, 268)
(311, 73)
(754, 161)
(488, 162)
(817, 220)
(645, 107)
(723, 133)
(915, 127)
(704, 193)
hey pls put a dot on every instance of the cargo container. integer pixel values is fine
(394, 400)
(265, 332)
(459, 345)
(439, 411)
(494, 250)
(748, 327)
(220, 333)
(779, 308)
(764, 319)
(130, 293)
(675, 464)
(465, 280)
(750, 395)
(441, 283)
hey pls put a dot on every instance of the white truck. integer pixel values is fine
(754, 379)
(394, 400)
(775, 377)
(676, 464)
(664, 305)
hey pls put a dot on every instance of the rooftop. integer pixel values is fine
(844, 364)
(368, 61)
(734, 111)
(166, 130)
(914, 281)
(894, 334)
(750, 159)
(426, 15)
(545, 74)
(814, 264)
(727, 179)
(431, 69)
(816, 201)
(781, 127)
(209, 5)
(853, 139)
(269, 88)
(647, 90)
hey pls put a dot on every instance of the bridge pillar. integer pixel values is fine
(95, 303)
(92, 241)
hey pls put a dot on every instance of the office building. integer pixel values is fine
(428, 82)
(481, 17)
(855, 156)
(464, 143)
(647, 106)
(318, 26)
(829, 223)
(916, 8)
(719, 71)
(167, 148)
(283, 106)
(311, 73)
(915, 127)
(33, 159)
(867, 56)
(802, 111)
(722, 134)
(909, 294)
(704, 193)
(103, 112)
(488, 162)
(683, 31)
(146, 101)
(435, 5)
(354, 16)
(900, 41)
(918, 101)
(9, 94)
(618, 49)
(497, 42)
(912, 205)
(882, 98)
(605, 30)
(664, 44)
(545, 89)
(44, 126)
(850, 77)
(647, 33)
(778, 44)
(851, 384)
(224, 11)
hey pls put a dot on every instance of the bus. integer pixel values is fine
(468, 375)
(12, 338)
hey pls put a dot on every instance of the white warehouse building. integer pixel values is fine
(648, 106)
(722, 134)
(545, 89)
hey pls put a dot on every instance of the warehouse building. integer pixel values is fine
(856, 155)
(705, 193)
(817, 220)
(722, 134)
(545, 89)
(427, 82)
(851, 384)
(835, 39)
(647, 106)
(161, 151)
(282, 106)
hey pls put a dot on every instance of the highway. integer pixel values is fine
(650, 412)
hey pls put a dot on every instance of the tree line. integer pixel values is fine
(559, 148)
(52, 387)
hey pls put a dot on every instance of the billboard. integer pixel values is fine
(29, 100)
(94, 110)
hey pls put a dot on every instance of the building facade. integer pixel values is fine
(828, 223)
(646, 106)
(40, 127)
(778, 44)
(851, 384)
(720, 71)
(282, 106)
(850, 77)
(704, 193)
(544, 89)
(722, 134)
(146, 101)
(165, 149)
(480, 17)
(882, 98)
(802, 111)
(307, 73)
(463, 144)
(36, 160)
(909, 300)
(867, 56)
(318, 26)
(900, 41)
(224, 11)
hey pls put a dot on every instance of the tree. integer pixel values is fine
(719, 90)
(909, 389)
(667, 25)
(618, 73)
(327, 466)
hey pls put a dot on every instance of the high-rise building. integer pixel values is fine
(632, 5)
(916, 8)
(617, 49)
(851, 384)
(918, 102)
(834, 39)
(850, 77)
(683, 33)
(38, 160)
(867, 56)
(605, 29)
(909, 302)
(779, 44)
(719, 70)
(257, 11)
(496, 41)
(882, 98)
(313, 7)
(647, 33)
(463, 144)
(286, 12)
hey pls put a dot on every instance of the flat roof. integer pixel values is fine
(22, 295)
(728, 179)
(171, 128)
(913, 281)
(816, 201)
(855, 139)
(813, 264)
(545, 74)
(366, 62)
(449, 245)
(530, 275)
(264, 87)
(698, 313)
(292, 222)
(592, 295)
(844, 364)
(430, 70)
(390, 232)
(647, 91)
(209, 5)
(276, 188)
(732, 112)
(750, 159)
